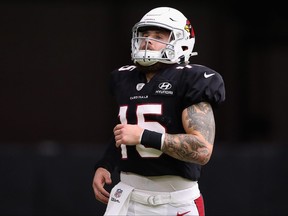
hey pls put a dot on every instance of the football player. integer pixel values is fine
(166, 126)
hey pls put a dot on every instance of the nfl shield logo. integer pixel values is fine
(118, 193)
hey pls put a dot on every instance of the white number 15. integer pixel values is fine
(154, 109)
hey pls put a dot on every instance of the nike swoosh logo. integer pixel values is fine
(181, 214)
(208, 75)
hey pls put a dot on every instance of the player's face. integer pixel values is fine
(158, 41)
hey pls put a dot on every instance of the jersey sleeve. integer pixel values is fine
(112, 155)
(113, 81)
(117, 77)
(202, 84)
(110, 159)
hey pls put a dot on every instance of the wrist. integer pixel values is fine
(152, 139)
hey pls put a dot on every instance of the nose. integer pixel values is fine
(146, 43)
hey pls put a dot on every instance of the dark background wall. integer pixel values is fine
(56, 114)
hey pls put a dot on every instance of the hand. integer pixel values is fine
(127, 134)
(101, 177)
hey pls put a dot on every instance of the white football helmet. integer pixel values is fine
(182, 38)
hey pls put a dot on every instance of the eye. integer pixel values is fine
(145, 35)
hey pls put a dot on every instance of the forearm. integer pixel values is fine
(187, 147)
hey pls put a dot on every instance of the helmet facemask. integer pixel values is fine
(147, 57)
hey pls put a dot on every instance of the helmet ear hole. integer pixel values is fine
(184, 48)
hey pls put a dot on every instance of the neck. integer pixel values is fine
(149, 75)
(150, 71)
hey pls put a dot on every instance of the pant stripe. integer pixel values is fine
(200, 205)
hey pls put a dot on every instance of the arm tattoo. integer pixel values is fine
(191, 147)
(200, 118)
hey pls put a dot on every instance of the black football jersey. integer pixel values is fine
(157, 105)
